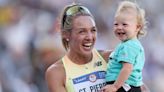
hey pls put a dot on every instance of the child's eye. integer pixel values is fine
(93, 29)
(124, 24)
(116, 24)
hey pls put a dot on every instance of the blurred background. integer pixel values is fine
(30, 40)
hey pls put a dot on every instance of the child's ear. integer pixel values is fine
(139, 27)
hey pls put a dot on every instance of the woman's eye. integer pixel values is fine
(81, 31)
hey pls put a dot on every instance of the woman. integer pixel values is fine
(82, 69)
(82, 65)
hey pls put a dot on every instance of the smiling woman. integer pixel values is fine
(82, 69)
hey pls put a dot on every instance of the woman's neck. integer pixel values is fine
(79, 58)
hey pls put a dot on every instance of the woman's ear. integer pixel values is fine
(66, 35)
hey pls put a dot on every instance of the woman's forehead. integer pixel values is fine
(84, 22)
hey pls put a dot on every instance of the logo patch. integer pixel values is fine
(98, 63)
(92, 78)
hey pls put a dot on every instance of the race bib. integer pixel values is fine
(92, 82)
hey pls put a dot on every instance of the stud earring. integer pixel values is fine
(67, 39)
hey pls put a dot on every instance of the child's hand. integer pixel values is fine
(109, 88)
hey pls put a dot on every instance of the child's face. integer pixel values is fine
(125, 25)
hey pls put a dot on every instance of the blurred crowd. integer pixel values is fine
(30, 40)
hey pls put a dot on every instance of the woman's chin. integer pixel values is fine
(87, 50)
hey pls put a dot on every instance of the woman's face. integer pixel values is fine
(83, 35)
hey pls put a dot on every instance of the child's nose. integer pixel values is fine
(119, 27)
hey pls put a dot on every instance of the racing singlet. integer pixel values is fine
(89, 77)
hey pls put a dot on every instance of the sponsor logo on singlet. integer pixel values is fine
(92, 82)
(98, 63)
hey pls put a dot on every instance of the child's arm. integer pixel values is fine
(124, 74)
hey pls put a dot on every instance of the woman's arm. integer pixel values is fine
(55, 77)
(105, 54)
(144, 88)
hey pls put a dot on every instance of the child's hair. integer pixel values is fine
(125, 5)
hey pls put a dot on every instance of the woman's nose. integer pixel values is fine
(89, 35)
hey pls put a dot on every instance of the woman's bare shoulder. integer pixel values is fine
(56, 70)
(55, 67)
(55, 77)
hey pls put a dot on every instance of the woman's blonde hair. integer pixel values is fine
(67, 16)
(125, 5)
